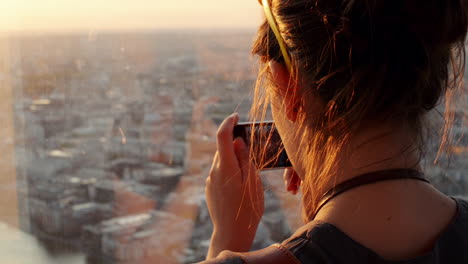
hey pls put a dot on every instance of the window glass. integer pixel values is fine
(109, 112)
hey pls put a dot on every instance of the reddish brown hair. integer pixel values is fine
(369, 61)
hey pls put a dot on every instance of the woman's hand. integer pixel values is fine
(292, 182)
(234, 193)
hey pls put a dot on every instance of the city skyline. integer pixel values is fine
(104, 15)
(111, 139)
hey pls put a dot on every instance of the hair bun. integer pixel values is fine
(437, 21)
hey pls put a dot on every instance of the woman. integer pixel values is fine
(349, 84)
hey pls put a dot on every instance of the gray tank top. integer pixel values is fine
(321, 242)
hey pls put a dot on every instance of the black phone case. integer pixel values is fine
(273, 160)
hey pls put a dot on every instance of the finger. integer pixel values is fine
(215, 160)
(242, 155)
(250, 175)
(295, 182)
(291, 180)
(287, 176)
(214, 166)
(256, 191)
(224, 139)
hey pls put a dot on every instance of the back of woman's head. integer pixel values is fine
(369, 61)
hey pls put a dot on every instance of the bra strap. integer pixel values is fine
(369, 178)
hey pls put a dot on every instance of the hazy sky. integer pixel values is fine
(127, 14)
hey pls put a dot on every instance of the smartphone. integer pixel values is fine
(267, 148)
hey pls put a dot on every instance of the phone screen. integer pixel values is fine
(268, 149)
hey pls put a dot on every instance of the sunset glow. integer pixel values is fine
(70, 15)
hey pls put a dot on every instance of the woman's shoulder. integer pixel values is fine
(455, 236)
(274, 254)
(315, 242)
(462, 204)
(287, 252)
(458, 228)
(322, 242)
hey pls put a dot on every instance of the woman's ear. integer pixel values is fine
(288, 90)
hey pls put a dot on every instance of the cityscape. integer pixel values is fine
(115, 135)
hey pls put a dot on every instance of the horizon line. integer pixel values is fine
(124, 30)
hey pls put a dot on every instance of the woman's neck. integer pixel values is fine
(374, 148)
(377, 148)
(397, 219)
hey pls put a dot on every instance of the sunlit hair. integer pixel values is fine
(369, 61)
